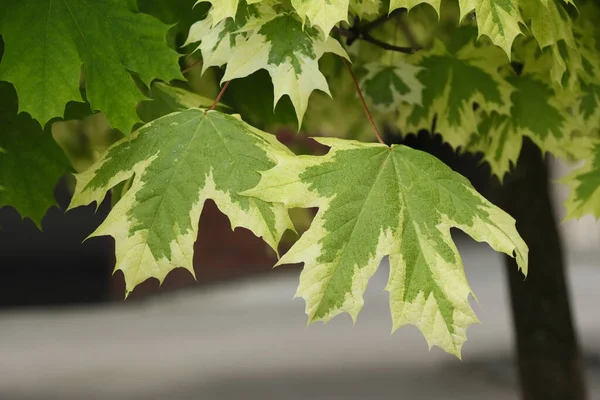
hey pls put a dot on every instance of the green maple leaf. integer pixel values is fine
(497, 19)
(386, 86)
(584, 185)
(375, 201)
(23, 144)
(536, 112)
(290, 53)
(552, 27)
(59, 36)
(178, 162)
(455, 78)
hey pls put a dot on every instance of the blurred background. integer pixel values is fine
(67, 333)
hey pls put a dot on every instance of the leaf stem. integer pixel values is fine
(191, 66)
(221, 93)
(364, 103)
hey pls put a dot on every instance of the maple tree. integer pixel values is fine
(486, 75)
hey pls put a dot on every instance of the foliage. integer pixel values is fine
(483, 74)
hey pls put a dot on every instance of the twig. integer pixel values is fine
(364, 103)
(221, 93)
(354, 34)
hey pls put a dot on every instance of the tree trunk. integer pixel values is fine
(549, 360)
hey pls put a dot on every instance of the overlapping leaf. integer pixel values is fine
(584, 185)
(387, 86)
(290, 53)
(178, 162)
(364, 8)
(456, 78)
(219, 39)
(224, 9)
(375, 201)
(31, 163)
(535, 112)
(46, 43)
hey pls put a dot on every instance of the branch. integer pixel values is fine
(353, 34)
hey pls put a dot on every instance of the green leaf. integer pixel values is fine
(31, 163)
(584, 185)
(218, 40)
(536, 112)
(168, 99)
(456, 78)
(178, 162)
(224, 9)
(375, 201)
(322, 13)
(409, 4)
(497, 19)
(46, 43)
(290, 53)
(365, 7)
(386, 86)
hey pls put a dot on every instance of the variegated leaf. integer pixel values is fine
(376, 201)
(290, 53)
(584, 185)
(456, 77)
(178, 162)
(386, 86)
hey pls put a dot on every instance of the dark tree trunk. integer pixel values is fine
(549, 360)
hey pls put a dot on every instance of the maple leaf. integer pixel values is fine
(365, 7)
(375, 201)
(178, 162)
(584, 185)
(104, 35)
(290, 53)
(223, 9)
(386, 86)
(409, 4)
(23, 144)
(322, 13)
(218, 40)
(536, 113)
(456, 77)
(497, 19)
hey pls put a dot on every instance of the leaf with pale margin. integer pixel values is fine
(31, 163)
(218, 41)
(178, 162)
(104, 35)
(538, 112)
(455, 78)
(584, 185)
(387, 86)
(322, 13)
(290, 53)
(223, 9)
(376, 201)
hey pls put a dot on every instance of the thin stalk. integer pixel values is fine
(364, 103)
(221, 93)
